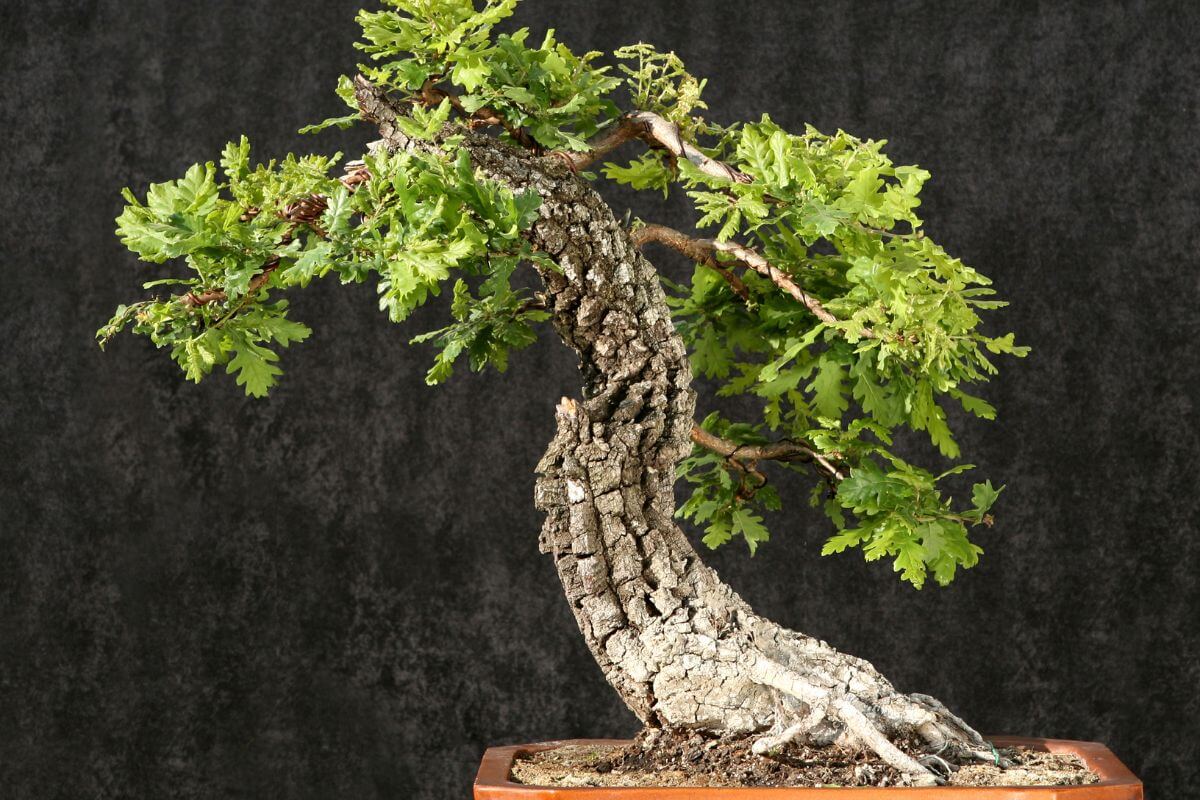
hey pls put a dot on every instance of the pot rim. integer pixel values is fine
(1116, 781)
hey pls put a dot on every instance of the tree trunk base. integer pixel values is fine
(685, 651)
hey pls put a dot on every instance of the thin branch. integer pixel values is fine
(655, 131)
(218, 295)
(756, 262)
(703, 249)
(535, 303)
(692, 249)
(258, 282)
(600, 146)
(784, 450)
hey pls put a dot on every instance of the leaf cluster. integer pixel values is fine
(559, 98)
(838, 218)
(414, 221)
(661, 84)
(901, 515)
(899, 334)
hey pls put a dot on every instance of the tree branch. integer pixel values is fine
(693, 249)
(784, 450)
(751, 259)
(218, 295)
(655, 131)
(703, 250)
(659, 132)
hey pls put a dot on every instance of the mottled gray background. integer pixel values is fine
(337, 593)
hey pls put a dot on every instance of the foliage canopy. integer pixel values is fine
(899, 337)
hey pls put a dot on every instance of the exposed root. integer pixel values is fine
(773, 743)
(936, 763)
(944, 729)
(899, 714)
(870, 735)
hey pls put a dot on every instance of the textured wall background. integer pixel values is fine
(337, 593)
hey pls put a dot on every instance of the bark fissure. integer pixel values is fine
(680, 647)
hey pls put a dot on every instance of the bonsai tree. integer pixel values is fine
(815, 291)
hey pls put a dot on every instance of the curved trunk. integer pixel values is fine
(679, 645)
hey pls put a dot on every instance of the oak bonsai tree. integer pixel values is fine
(815, 291)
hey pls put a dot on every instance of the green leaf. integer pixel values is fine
(748, 525)
(876, 401)
(939, 433)
(977, 406)
(983, 497)
(1004, 344)
(461, 307)
(195, 192)
(947, 548)
(821, 220)
(718, 532)
(828, 397)
(471, 71)
(647, 171)
(168, 282)
(235, 160)
(197, 355)
(910, 562)
(284, 331)
(310, 265)
(866, 489)
(333, 122)
(336, 218)
(928, 416)
(780, 157)
(862, 191)
(443, 363)
(254, 367)
(842, 540)
(520, 94)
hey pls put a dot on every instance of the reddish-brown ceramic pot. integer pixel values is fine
(1116, 781)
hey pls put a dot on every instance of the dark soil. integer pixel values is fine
(687, 758)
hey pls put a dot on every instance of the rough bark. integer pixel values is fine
(680, 647)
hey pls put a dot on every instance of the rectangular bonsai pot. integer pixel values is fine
(1116, 781)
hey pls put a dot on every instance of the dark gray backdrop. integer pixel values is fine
(337, 592)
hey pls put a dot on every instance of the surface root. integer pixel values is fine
(871, 726)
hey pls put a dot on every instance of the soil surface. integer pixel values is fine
(687, 758)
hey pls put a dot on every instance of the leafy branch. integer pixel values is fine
(817, 293)
(409, 219)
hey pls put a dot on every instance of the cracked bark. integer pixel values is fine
(680, 647)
